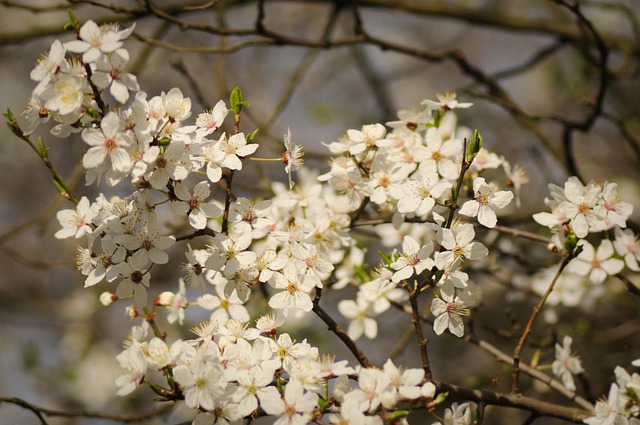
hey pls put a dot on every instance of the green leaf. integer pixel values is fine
(437, 117)
(535, 359)
(440, 398)
(474, 146)
(73, 22)
(93, 113)
(252, 136)
(236, 100)
(323, 404)
(12, 123)
(398, 414)
(360, 273)
(385, 257)
(9, 115)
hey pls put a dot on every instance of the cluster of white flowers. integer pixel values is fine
(581, 209)
(416, 176)
(576, 212)
(231, 370)
(622, 406)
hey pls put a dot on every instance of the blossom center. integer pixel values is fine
(110, 143)
(412, 260)
(146, 245)
(248, 216)
(290, 410)
(115, 73)
(455, 309)
(136, 277)
(161, 162)
(201, 382)
(423, 192)
(483, 199)
(583, 208)
(194, 203)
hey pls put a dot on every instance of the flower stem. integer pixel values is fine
(42, 152)
(455, 193)
(515, 386)
(422, 341)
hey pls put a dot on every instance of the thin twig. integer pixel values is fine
(534, 373)
(340, 333)
(519, 401)
(41, 412)
(402, 342)
(417, 326)
(515, 388)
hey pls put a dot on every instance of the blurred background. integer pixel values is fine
(555, 89)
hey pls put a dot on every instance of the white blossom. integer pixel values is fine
(449, 311)
(566, 365)
(485, 199)
(597, 264)
(94, 41)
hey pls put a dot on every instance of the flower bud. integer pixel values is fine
(165, 299)
(106, 298)
(428, 390)
(475, 144)
(131, 312)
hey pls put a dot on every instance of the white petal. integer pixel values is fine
(470, 208)
(487, 217)
(197, 219)
(438, 307)
(119, 91)
(407, 205)
(77, 46)
(440, 324)
(120, 160)
(501, 199)
(94, 157)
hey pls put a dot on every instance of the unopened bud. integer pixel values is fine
(131, 312)
(165, 299)
(474, 146)
(571, 242)
(106, 298)
(428, 390)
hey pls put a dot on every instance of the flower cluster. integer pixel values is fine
(581, 209)
(420, 183)
(231, 370)
(621, 405)
(578, 211)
